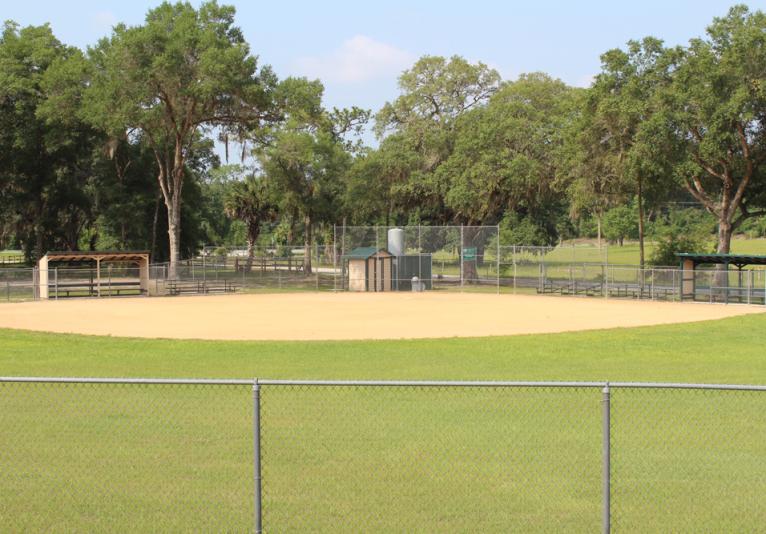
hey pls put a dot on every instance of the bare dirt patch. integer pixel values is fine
(322, 316)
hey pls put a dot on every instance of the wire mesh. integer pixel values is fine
(688, 460)
(125, 458)
(134, 456)
(450, 257)
(427, 458)
(17, 284)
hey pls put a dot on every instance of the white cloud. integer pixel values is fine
(103, 21)
(359, 59)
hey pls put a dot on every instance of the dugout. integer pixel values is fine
(91, 275)
(690, 262)
(369, 269)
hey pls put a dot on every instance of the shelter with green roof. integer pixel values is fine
(689, 285)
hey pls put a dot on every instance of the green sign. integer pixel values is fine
(469, 253)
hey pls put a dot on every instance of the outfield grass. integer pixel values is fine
(730, 350)
(175, 458)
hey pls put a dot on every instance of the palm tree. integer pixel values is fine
(250, 202)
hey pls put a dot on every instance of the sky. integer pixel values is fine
(359, 48)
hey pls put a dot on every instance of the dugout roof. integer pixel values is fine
(99, 256)
(740, 260)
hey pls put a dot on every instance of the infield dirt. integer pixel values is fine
(324, 316)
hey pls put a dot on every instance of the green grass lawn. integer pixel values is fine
(179, 458)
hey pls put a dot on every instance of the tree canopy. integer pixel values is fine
(115, 145)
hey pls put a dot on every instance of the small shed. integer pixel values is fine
(369, 269)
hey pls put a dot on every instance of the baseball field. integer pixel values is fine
(100, 457)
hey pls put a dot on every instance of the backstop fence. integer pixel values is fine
(443, 256)
(349, 456)
(440, 258)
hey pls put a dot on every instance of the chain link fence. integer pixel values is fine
(445, 257)
(688, 459)
(125, 457)
(439, 258)
(145, 455)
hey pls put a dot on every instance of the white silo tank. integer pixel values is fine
(396, 242)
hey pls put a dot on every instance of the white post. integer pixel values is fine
(98, 276)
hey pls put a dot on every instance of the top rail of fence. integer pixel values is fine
(393, 383)
(94, 380)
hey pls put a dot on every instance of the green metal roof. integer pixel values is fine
(363, 253)
(716, 258)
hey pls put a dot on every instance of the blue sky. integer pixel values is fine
(358, 48)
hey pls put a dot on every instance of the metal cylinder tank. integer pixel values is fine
(396, 242)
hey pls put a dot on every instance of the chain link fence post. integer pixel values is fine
(257, 457)
(607, 520)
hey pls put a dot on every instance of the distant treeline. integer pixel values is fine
(114, 147)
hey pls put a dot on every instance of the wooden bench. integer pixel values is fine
(223, 286)
(180, 287)
(571, 288)
(88, 289)
(637, 292)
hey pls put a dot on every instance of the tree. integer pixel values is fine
(216, 186)
(46, 165)
(182, 72)
(504, 162)
(685, 230)
(619, 103)
(250, 201)
(307, 156)
(620, 223)
(715, 112)
(505, 153)
(436, 91)
(418, 129)
(589, 176)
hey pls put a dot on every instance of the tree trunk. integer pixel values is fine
(250, 255)
(598, 229)
(470, 273)
(154, 226)
(39, 242)
(307, 245)
(174, 240)
(640, 222)
(252, 236)
(725, 231)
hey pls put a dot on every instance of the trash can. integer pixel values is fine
(417, 285)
